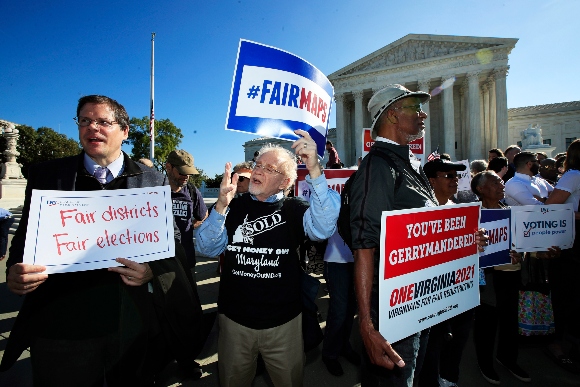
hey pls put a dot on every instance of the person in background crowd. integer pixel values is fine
(189, 208)
(443, 356)
(338, 273)
(147, 163)
(541, 156)
(6, 221)
(560, 159)
(493, 153)
(477, 166)
(549, 171)
(260, 299)
(510, 153)
(563, 271)
(244, 171)
(499, 165)
(333, 159)
(445, 156)
(506, 284)
(525, 188)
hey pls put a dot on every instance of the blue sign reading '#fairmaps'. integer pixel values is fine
(275, 92)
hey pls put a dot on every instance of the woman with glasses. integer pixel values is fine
(499, 297)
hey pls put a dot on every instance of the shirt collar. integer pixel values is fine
(272, 199)
(523, 176)
(115, 168)
(384, 139)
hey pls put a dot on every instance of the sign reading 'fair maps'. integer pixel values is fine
(497, 226)
(86, 230)
(275, 92)
(428, 267)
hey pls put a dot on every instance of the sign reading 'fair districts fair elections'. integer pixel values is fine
(428, 267)
(86, 230)
(275, 92)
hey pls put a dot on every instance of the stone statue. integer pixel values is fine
(532, 136)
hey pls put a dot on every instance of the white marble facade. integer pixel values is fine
(560, 123)
(466, 118)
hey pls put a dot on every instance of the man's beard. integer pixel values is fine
(413, 137)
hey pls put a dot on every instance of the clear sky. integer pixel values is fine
(54, 52)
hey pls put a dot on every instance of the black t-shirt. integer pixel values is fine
(260, 283)
(187, 209)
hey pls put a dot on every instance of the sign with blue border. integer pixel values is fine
(275, 92)
(497, 226)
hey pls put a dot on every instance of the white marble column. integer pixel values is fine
(464, 120)
(341, 131)
(358, 125)
(492, 117)
(474, 116)
(448, 118)
(486, 124)
(501, 115)
(424, 86)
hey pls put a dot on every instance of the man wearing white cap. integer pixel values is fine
(398, 119)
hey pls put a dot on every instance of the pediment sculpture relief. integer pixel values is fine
(415, 50)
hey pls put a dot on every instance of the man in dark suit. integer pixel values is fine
(88, 326)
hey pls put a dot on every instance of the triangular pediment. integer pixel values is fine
(420, 48)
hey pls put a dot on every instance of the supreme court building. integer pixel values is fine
(466, 76)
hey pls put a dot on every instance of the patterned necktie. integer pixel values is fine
(101, 174)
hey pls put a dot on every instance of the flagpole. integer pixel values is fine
(152, 110)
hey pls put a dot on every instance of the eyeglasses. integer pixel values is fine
(242, 178)
(450, 176)
(417, 108)
(267, 168)
(84, 121)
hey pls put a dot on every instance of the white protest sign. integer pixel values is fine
(464, 183)
(428, 267)
(86, 230)
(335, 178)
(536, 228)
(275, 92)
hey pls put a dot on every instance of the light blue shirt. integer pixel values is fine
(319, 220)
(113, 170)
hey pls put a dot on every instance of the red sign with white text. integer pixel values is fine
(425, 239)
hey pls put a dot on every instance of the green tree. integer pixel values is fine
(43, 144)
(198, 179)
(215, 181)
(167, 138)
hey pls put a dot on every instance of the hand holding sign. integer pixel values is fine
(305, 147)
(23, 278)
(133, 273)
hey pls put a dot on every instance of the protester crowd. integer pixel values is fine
(123, 325)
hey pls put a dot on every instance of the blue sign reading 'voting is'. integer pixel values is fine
(275, 92)
(497, 226)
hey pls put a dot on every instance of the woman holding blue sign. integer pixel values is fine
(564, 270)
(490, 189)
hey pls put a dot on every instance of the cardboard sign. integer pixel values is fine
(85, 230)
(464, 183)
(334, 177)
(497, 226)
(536, 228)
(275, 92)
(428, 267)
(416, 146)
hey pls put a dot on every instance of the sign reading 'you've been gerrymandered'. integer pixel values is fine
(85, 230)
(275, 92)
